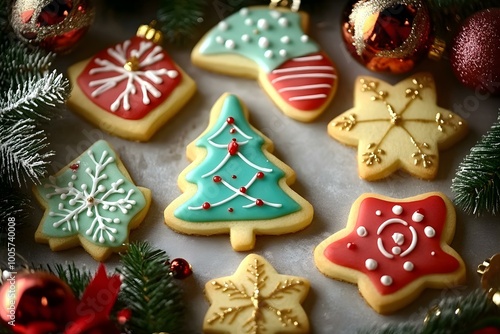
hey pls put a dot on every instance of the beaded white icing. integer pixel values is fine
(429, 231)
(371, 264)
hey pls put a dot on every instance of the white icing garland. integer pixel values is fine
(118, 73)
(91, 201)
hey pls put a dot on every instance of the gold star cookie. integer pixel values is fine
(256, 299)
(397, 127)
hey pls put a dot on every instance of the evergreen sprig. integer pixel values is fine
(149, 292)
(454, 315)
(476, 184)
(179, 18)
(77, 279)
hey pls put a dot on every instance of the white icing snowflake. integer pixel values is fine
(91, 206)
(132, 70)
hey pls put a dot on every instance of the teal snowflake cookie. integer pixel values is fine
(270, 45)
(91, 202)
(234, 184)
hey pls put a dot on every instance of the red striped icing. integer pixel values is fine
(305, 82)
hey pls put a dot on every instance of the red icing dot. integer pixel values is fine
(234, 176)
(232, 147)
(260, 175)
(233, 130)
(230, 120)
(74, 167)
(230, 209)
(259, 202)
(206, 206)
(217, 178)
(351, 245)
(243, 189)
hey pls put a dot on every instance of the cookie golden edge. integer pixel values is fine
(239, 66)
(98, 253)
(391, 303)
(136, 130)
(242, 236)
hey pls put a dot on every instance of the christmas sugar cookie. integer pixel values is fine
(130, 89)
(234, 184)
(269, 44)
(394, 248)
(397, 127)
(256, 299)
(92, 202)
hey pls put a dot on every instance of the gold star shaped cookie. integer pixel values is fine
(397, 127)
(256, 299)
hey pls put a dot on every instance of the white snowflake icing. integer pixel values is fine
(116, 66)
(93, 200)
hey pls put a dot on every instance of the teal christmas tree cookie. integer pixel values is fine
(235, 184)
(92, 202)
(270, 45)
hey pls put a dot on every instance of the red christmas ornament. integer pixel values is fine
(36, 302)
(180, 268)
(54, 25)
(387, 35)
(475, 52)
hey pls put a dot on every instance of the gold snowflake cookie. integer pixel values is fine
(397, 127)
(256, 299)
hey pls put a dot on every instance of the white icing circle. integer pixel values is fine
(362, 232)
(263, 42)
(378, 213)
(304, 38)
(263, 24)
(223, 25)
(229, 44)
(285, 39)
(429, 231)
(408, 266)
(397, 209)
(371, 264)
(268, 54)
(396, 250)
(417, 217)
(386, 280)
(245, 38)
(283, 21)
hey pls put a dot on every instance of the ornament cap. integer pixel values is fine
(490, 278)
(149, 32)
(437, 49)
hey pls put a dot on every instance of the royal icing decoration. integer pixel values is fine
(130, 79)
(404, 116)
(256, 299)
(397, 250)
(91, 198)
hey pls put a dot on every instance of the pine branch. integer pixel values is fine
(179, 18)
(149, 292)
(76, 279)
(12, 205)
(476, 184)
(455, 315)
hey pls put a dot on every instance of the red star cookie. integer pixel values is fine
(394, 248)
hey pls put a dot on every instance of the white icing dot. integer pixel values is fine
(285, 39)
(72, 202)
(362, 232)
(304, 38)
(248, 22)
(244, 11)
(386, 280)
(89, 213)
(116, 220)
(60, 206)
(398, 238)
(105, 207)
(125, 211)
(88, 170)
(263, 24)
(371, 264)
(275, 14)
(84, 186)
(429, 232)
(229, 44)
(397, 209)
(396, 250)
(268, 54)
(128, 206)
(64, 229)
(283, 53)
(52, 214)
(172, 74)
(111, 238)
(417, 217)
(223, 25)
(112, 208)
(408, 266)
(245, 38)
(70, 184)
(263, 42)
(101, 239)
(73, 177)
(101, 188)
(63, 196)
(433, 253)
(283, 21)
(378, 213)
(219, 39)
(89, 232)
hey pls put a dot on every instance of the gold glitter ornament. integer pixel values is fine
(490, 277)
(54, 25)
